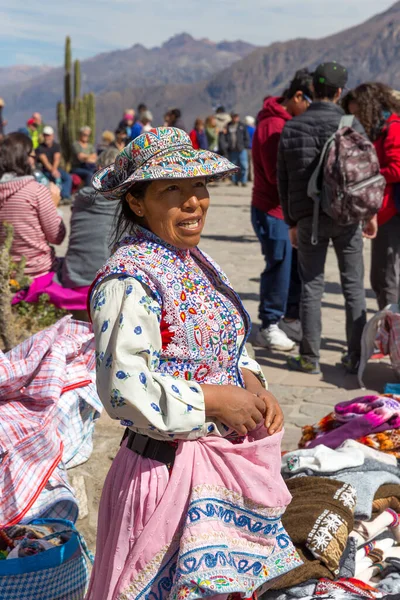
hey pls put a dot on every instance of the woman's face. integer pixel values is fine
(175, 210)
(353, 108)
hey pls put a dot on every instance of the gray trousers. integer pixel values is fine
(385, 263)
(348, 244)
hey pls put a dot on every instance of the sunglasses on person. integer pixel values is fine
(307, 98)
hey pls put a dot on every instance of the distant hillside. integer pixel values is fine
(20, 73)
(371, 51)
(181, 60)
(188, 73)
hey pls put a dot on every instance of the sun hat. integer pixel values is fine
(161, 153)
(48, 130)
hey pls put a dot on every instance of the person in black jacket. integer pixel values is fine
(301, 143)
(236, 141)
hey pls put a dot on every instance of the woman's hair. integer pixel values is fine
(301, 82)
(107, 136)
(15, 149)
(373, 101)
(347, 100)
(107, 157)
(210, 120)
(120, 130)
(125, 218)
(198, 123)
(175, 114)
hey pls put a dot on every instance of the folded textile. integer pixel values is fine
(382, 504)
(358, 418)
(369, 452)
(383, 545)
(348, 560)
(364, 531)
(322, 459)
(366, 479)
(390, 584)
(318, 520)
(386, 441)
(345, 588)
(33, 421)
(304, 590)
(57, 500)
(28, 547)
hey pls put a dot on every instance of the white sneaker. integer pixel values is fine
(274, 338)
(292, 329)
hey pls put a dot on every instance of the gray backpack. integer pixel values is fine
(346, 184)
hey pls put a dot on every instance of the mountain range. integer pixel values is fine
(197, 75)
(181, 60)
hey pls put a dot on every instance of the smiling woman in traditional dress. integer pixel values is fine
(193, 502)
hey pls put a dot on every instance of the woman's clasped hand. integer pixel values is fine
(243, 410)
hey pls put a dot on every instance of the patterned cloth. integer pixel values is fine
(56, 501)
(356, 419)
(387, 441)
(162, 153)
(170, 324)
(34, 424)
(345, 589)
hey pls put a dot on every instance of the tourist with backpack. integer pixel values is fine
(377, 108)
(280, 286)
(302, 150)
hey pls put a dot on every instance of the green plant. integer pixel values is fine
(75, 112)
(34, 317)
(21, 320)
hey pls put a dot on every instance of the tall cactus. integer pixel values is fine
(71, 129)
(68, 55)
(67, 76)
(77, 80)
(91, 116)
(75, 112)
(61, 120)
(80, 116)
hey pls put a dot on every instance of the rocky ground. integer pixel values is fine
(230, 240)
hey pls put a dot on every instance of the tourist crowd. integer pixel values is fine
(305, 151)
(282, 147)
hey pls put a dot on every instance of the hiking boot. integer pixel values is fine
(304, 365)
(292, 329)
(351, 363)
(274, 338)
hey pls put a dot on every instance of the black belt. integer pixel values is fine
(149, 448)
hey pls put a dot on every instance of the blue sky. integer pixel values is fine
(33, 31)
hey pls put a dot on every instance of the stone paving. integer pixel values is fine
(230, 240)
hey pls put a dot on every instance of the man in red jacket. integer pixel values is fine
(280, 291)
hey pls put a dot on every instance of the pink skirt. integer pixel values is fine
(209, 528)
(123, 514)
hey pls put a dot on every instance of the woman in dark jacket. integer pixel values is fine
(378, 110)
